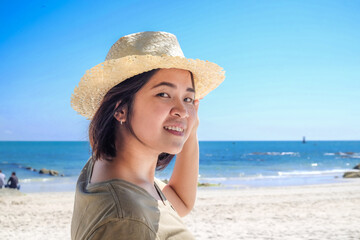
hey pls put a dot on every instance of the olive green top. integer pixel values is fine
(117, 209)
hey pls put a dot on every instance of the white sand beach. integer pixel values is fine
(329, 211)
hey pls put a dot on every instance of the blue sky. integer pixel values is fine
(292, 67)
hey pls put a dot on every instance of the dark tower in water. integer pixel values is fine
(304, 141)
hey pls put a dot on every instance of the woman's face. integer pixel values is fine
(164, 112)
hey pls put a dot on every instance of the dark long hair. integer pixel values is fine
(103, 126)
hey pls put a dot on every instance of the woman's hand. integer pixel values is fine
(196, 125)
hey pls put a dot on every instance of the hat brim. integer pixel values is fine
(98, 80)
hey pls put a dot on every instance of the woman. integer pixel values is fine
(142, 102)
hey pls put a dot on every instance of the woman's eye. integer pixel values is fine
(189, 100)
(163, 95)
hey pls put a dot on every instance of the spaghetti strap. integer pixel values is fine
(162, 196)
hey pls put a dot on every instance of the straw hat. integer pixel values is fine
(137, 53)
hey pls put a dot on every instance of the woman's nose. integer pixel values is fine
(179, 109)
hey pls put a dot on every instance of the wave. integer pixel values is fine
(276, 153)
(344, 154)
(213, 179)
(323, 172)
(29, 180)
(291, 174)
(50, 179)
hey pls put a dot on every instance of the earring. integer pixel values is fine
(120, 122)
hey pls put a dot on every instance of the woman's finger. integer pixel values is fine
(196, 103)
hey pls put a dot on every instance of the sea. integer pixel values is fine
(223, 164)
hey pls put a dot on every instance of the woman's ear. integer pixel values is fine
(120, 113)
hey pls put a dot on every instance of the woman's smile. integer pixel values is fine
(178, 131)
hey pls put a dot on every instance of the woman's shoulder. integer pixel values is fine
(127, 200)
(112, 205)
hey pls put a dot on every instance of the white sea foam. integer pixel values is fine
(324, 172)
(214, 179)
(29, 180)
(290, 174)
(344, 154)
(276, 153)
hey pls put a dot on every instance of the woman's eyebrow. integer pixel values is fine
(172, 86)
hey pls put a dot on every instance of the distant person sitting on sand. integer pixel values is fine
(2, 179)
(142, 102)
(13, 181)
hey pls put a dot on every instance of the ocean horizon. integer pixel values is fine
(227, 164)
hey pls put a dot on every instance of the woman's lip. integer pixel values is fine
(175, 132)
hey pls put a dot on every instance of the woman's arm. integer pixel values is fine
(182, 186)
